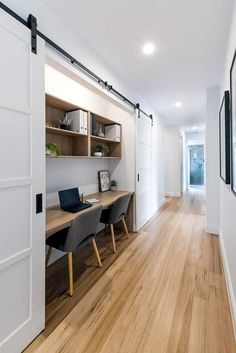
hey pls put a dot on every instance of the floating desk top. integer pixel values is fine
(57, 219)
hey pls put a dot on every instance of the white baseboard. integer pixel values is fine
(229, 285)
(173, 194)
(212, 230)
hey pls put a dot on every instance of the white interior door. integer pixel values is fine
(22, 174)
(144, 178)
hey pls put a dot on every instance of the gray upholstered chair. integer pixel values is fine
(83, 228)
(114, 214)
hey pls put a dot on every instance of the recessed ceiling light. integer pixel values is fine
(149, 48)
(194, 127)
(178, 104)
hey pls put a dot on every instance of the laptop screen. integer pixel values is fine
(69, 197)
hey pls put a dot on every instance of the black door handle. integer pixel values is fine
(39, 203)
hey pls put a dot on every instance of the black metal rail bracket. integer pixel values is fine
(151, 118)
(32, 21)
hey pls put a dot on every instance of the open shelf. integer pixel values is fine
(57, 131)
(83, 157)
(75, 144)
(103, 139)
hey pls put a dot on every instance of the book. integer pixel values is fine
(85, 123)
(77, 123)
(112, 132)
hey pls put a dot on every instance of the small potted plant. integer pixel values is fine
(65, 123)
(98, 151)
(113, 185)
(52, 149)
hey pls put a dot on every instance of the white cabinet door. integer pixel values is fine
(22, 175)
(144, 178)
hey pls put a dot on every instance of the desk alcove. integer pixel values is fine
(86, 272)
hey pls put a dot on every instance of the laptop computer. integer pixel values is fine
(70, 200)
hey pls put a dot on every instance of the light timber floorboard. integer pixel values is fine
(162, 292)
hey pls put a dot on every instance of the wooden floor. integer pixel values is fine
(163, 292)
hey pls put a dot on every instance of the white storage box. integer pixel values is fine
(77, 123)
(112, 132)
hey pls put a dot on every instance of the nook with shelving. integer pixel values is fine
(76, 144)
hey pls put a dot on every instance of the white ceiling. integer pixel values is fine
(190, 36)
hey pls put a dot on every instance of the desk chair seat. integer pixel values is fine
(82, 229)
(114, 214)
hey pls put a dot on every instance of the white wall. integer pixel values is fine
(227, 199)
(184, 161)
(195, 138)
(212, 161)
(158, 158)
(172, 161)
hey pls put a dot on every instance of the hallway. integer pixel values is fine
(165, 293)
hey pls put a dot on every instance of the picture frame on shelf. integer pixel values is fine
(224, 138)
(233, 124)
(104, 180)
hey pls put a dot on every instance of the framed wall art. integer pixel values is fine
(104, 180)
(233, 123)
(224, 138)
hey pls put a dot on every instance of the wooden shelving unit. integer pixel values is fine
(74, 144)
(57, 131)
(103, 139)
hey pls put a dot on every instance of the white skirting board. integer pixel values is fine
(173, 194)
(228, 284)
(212, 230)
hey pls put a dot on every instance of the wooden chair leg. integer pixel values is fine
(125, 227)
(70, 266)
(96, 252)
(48, 255)
(113, 238)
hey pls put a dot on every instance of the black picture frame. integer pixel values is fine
(224, 138)
(233, 124)
(104, 180)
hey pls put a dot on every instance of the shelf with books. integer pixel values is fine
(83, 144)
(70, 143)
(105, 137)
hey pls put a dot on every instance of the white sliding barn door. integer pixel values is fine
(22, 169)
(143, 170)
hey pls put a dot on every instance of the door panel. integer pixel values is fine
(15, 132)
(22, 176)
(16, 52)
(18, 200)
(19, 305)
(144, 198)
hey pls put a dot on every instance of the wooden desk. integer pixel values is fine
(57, 219)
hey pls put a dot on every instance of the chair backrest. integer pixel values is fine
(83, 226)
(119, 209)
